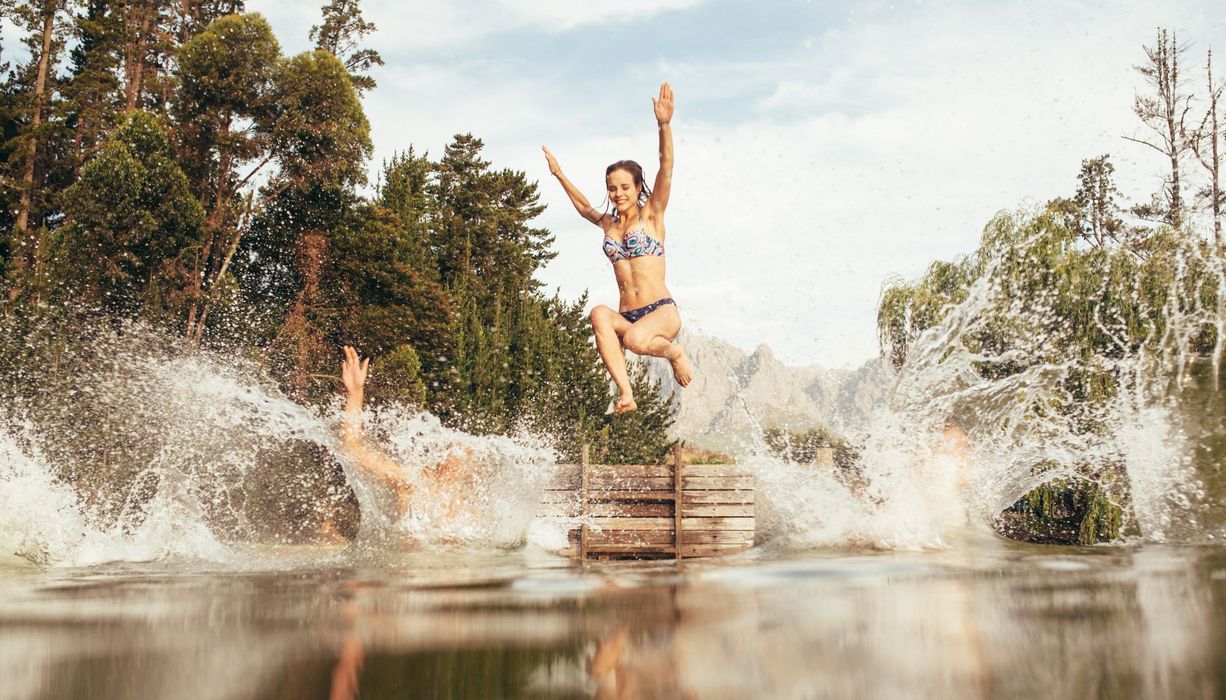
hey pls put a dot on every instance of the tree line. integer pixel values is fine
(165, 163)
(1086, 280)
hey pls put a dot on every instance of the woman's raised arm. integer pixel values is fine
(584, 207)
(664, 177)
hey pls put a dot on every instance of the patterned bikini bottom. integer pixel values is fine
(633, 315)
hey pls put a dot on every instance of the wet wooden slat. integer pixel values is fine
(630, 537)
(717, 497)
(716, 524)
(727, 537)
(740, 510)
(604, 483)
(712, 550)
(629, 496)
(716, 483)
(630, 471)
(710, 470)
(631, 524)
(631, 549)
(631, 509)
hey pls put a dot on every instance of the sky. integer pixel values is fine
(822, 148)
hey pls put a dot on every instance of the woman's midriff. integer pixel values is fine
(640, 282)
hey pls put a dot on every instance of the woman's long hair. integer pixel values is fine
(636, 171)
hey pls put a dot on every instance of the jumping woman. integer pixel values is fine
(647, 320)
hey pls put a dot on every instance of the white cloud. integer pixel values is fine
(406, 27)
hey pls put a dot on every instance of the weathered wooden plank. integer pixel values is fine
(630, 471)
(716, 524)
(645, 537)
(639, 496)
(711, 550)
(630, 549)
(716, 497)
(604, 483)
(631, 524)
(724, 537)
(740, 510)
(699, 470)
(716, 483)
(624, 509)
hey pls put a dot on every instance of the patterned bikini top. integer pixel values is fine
(636, 244)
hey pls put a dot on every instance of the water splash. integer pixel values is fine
(155, 455)
(989, 405)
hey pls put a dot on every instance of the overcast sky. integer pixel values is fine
(821, 147)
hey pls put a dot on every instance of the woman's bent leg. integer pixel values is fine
(653, 335)
(608, 326)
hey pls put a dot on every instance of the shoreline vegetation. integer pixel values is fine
(1116, 281)
(174, 180)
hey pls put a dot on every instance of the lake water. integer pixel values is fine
(982, 618)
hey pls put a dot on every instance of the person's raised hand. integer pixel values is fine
(553, 162)
(353, 370)
(664, 104)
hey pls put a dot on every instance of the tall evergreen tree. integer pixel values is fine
(131, 216)
(44, 23)
(341, 35)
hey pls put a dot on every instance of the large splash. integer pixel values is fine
(1001, 395)
(153, 454)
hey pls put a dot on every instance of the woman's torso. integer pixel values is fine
(640, 268)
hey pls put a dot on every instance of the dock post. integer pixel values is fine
(677, 504)
(584, 460)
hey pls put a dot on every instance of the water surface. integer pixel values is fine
(983, 619)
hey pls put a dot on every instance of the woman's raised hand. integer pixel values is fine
(664, 104)
(553, 162)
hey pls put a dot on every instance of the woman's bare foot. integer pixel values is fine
(683, 371)
(625, 403)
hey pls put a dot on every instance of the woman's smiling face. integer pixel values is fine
(622, 191)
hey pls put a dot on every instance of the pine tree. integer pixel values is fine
(44, 23)
(130, 217)
(341, 35)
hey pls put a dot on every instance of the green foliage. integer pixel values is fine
(639, 437)
(318, 128)
(189, 175)
(130, 215)
(396, 378)
(1064, 511)
(342, 30)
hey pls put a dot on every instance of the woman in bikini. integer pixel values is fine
(647, 320)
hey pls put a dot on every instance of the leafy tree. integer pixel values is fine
(223, 118)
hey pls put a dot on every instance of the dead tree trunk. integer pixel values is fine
(1164, 112)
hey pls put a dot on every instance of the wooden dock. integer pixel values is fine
(653, 511)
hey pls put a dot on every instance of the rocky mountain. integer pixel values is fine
(736, 395)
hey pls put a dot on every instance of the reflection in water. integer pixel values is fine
(983, 622)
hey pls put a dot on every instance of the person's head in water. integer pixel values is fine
(624, 183)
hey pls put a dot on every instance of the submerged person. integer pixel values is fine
(647, 320)
(439, 487)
